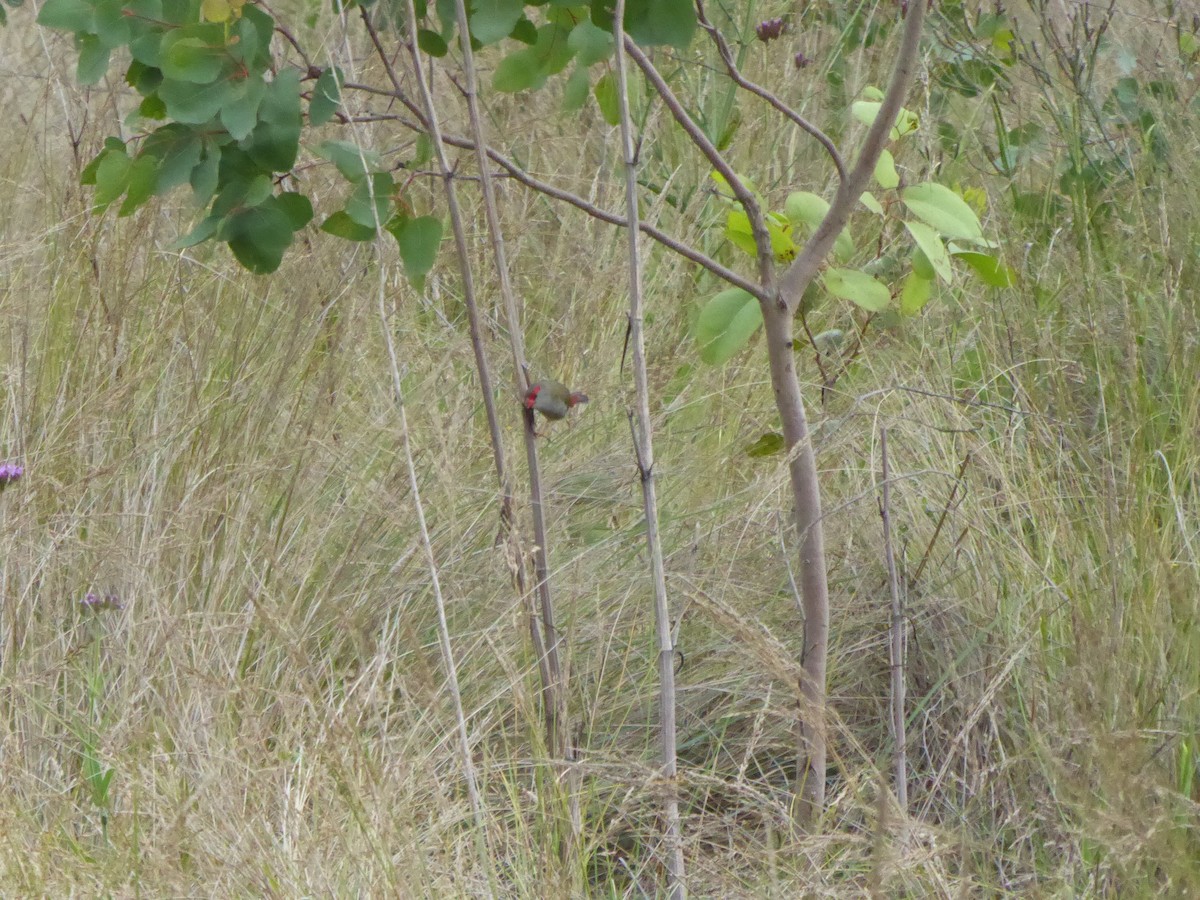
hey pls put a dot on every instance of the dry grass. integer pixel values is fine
(220, 452)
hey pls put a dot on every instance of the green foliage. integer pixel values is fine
(767, 444)
(945, 210)
(235, 125)
(326, 96)
(419, 239)
(858, 287)
(651, 22)
(877, 284)
(232, 119)
(725, 324)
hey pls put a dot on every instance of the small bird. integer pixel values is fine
(552, 399)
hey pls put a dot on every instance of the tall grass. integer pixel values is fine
(266, 715)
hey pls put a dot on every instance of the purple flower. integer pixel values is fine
(770, 29)
(10, 472)
(96, 603)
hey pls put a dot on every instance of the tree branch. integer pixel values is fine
(802, 271)
(544, 187)
(762, 239)
(741, 81)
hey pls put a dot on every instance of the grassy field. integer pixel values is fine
(266, 712)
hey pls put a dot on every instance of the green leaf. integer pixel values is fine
(808, 209)
(866, 111)
(326, 95)
(605, 92)
(341, 225)
(252, 47)
(885, 171)
(858, 287)
(419, 240)
(779, 229)
(552, 48)
(259, 236)
(111, 145)
(525, 32)
(153, 108)
(432, 43)
(239, 113)
(143, 78)
(66, 15)
(738, 233)
(296, 207)
(575, 90)
(921, 265)
(989, 269)
(868, 200)
(112, 178)
(944, 210)
(653, 22)
(196, 54)
(371, 200)
(143, 175)
(590, 44)
(177, 149)
(726, 324)
(93, 59)
(112, 23)
(492, 20)
(205, 176)
(193, 104)
(242, 193)
(933, 248)
(353, 164)
(519, 71)
(768, 444)
(275, 141)
(216, 10)
(147, 50)
(915, 294)
(805, 208)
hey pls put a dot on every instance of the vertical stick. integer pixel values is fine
(554, 688)
(899, 739)
(554, 691)
(644, 448)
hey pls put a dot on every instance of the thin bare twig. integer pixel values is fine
(644, 448)
(758, 227)
(508, 532)
(676, 246)
(899, 737)
(759, 91)
(380, 51)
(553, 191)
(554, 691)
(937, 529)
